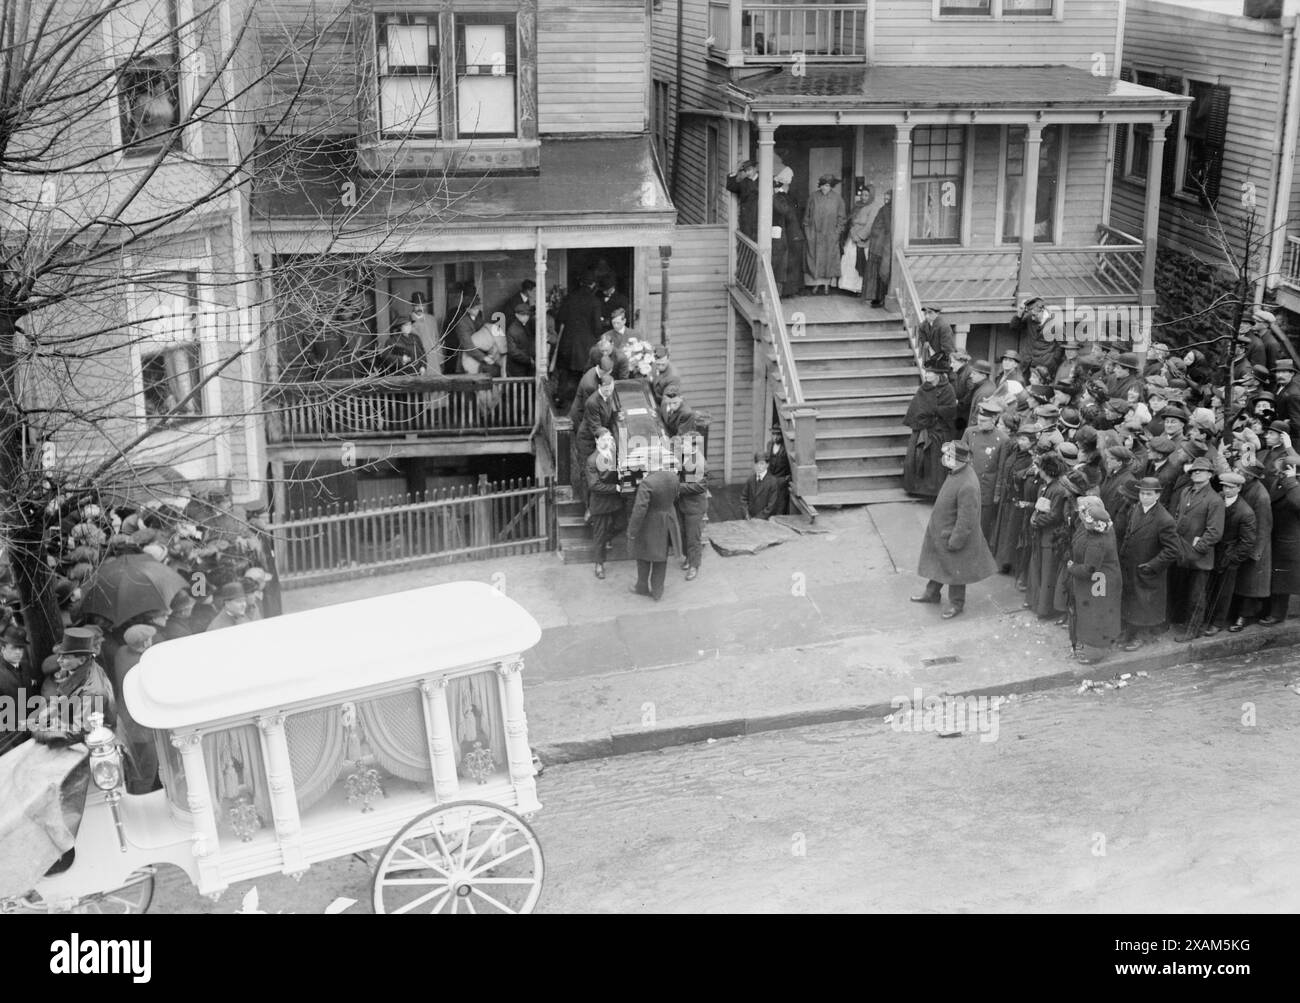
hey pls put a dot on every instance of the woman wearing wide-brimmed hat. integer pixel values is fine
(823, 222)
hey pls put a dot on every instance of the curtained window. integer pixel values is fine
(938, 169)
(1049, 173)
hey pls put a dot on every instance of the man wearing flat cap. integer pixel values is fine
(954, 551)
(936, 335)
(663, 373)
(1199, 521)
(1164, 463)
(1233, 550)
(743, 183)
(986, 443)
(1031, 321)
(980, 388)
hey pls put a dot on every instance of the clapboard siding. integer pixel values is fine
(984, 185)
(697, 331)
(1086, 148)
(1243, 54)
(906, 33)
(699, 88)
(317, 56)
(591, 67)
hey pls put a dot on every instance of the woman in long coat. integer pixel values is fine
(932, 417)
(1013, 466)
(1285, 495)
(789, 251)
(1096, 582)
(1046, 524)
(1151, 546)
(823, 222)
(1255, 576)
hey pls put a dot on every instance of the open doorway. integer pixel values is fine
(615, 261)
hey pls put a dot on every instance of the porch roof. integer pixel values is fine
(1023, 89)
(604, 186)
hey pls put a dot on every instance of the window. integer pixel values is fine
(938, 166)
(995, 8)
(1049, 170)
(1027, 8)
(409, 96)
(966, 7)
(149, 94)
(1203, 140)
(661, 98)
(167, 329)
(485, 76)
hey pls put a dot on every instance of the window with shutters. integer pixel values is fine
(1203, 140)
(1133, 150)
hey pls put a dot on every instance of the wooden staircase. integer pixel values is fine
(856, 368)
(574, 534)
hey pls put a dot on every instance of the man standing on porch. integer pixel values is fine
(743, 183)
(823, 222)
(880, 253)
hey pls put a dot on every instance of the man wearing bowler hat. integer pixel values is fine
(234, 607)
(954, 551)
(1287, 401)
(979, 388)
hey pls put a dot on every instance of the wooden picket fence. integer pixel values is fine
(475, 521)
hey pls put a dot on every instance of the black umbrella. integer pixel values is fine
(124, 587)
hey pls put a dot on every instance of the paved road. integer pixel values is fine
(1151, 797)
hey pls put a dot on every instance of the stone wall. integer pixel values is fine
(1185, 291)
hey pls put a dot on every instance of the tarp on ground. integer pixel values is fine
(800, 524)
(747, 536)
(42, 794)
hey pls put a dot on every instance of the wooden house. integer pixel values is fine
(941, 103)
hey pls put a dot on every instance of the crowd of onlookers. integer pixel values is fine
(1186, 477)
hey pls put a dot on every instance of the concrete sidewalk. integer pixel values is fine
(817, 629)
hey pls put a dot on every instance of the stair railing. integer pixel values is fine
(797, 413)
(909, 304)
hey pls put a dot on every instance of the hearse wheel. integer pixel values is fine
(461, 857)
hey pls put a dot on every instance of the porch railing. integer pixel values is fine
(1110, 269)
(423, 406)
(1291, 263)
(748, 261)
(909, 304)
(775, 32)
(498, 520)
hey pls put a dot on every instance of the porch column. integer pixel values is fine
(1151, 217)
(1029, 204)
(736, 29)
(960, 333)
(902, 183)
(540, 347)
(766, 141)
(665, 256)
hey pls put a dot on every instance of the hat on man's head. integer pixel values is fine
(1030, 429)
(1156, 382)
(1203, 417)
(1284, 366)
(1162, 444)
(1130, 490)
(661, 351)
(78, 641)
(1255, 470)
(1129, 360)
(1200, 463)
(1194, 448)
(827, 179)
(938, 365)
(1076, 482)
(990, 406)
(1150, 484)
(1010, 354)
(1281, 425)
(1175, 410)
(1043, 393)
(982, 366)
(1120, 405)
(15, 635)
(1232, 477)
(1033, 301)
(1263, 397)
(1050, 412)
(673, 390)
(139, 634)
(1070, 417)
(931, 308)
(231, 590)
(1069, 451)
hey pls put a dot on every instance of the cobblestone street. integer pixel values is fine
(1155, 796)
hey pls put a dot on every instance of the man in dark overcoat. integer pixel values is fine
(763, 495)
(579, 327)
(1287, 401)
(598, 413)
(1255, 576)
(1199, 521)
(743, 183)
(1233, 549)
(986, 441)
(1030, 322)
(880, 253)
(1150, 548)
(675, 413)
(936, 335)
(604, 501)
(954, 552)
(652, 530)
